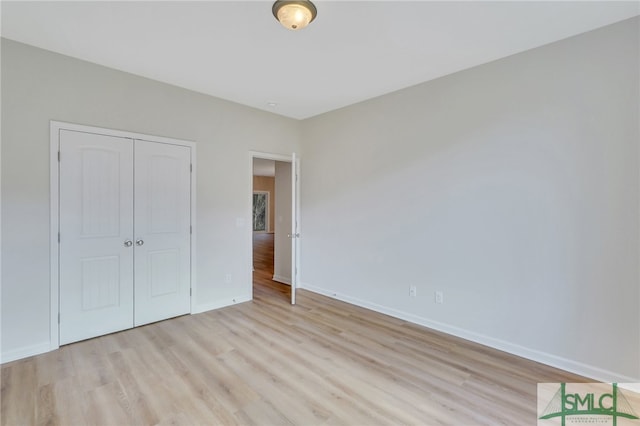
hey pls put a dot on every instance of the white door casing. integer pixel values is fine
(162, 231)
(295, 231)
(92, 208)
(96, 228)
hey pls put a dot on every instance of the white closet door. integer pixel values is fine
(162, 231)
(96, 228)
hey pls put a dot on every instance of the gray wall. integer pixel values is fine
(282, 243)
(39, 86)
(512, 187)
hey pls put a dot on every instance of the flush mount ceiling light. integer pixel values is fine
(294, 15)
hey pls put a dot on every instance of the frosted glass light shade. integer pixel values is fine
(294, 15)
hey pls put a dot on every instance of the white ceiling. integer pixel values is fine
(354, 50)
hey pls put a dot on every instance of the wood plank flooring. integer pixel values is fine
(265, 362)
(263, 258)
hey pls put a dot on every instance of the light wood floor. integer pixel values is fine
(265, 362)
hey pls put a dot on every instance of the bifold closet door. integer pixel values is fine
(162, 230)
(96, 235)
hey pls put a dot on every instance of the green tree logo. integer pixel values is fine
(565, 404)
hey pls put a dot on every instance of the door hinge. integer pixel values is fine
(58, 317)
(191, 229)
(58, 156)
(190, 168)
(58, 238)
(190, 292)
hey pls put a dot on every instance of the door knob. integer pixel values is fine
(128, 243)
(139, 242)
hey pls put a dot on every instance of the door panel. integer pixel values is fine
(164, 271)
(163, 238)
(100, 181)
(96, 218)
(295, 231)
(99, 284)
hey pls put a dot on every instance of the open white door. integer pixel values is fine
(295, 232)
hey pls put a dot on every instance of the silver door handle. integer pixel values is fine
(128, 243)
(139, 242)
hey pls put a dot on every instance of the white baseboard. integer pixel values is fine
(25, 352)
(197, 309)
(572, 366)
(281, 279)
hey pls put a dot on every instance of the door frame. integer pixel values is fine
(275, 157)
(54, 203)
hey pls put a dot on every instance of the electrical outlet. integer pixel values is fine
(413, 291)
(227, 278)
(439, 297)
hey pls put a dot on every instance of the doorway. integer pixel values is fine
(272, 209)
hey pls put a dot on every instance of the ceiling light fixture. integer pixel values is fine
(294, 15)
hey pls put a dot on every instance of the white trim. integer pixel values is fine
(119, 133)
(198, 309)
(572, 366)
(55, 127)
(194, 186)
(24, 352)
(295, 226)
(54, 227)
(281, 279)
(268, 156)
